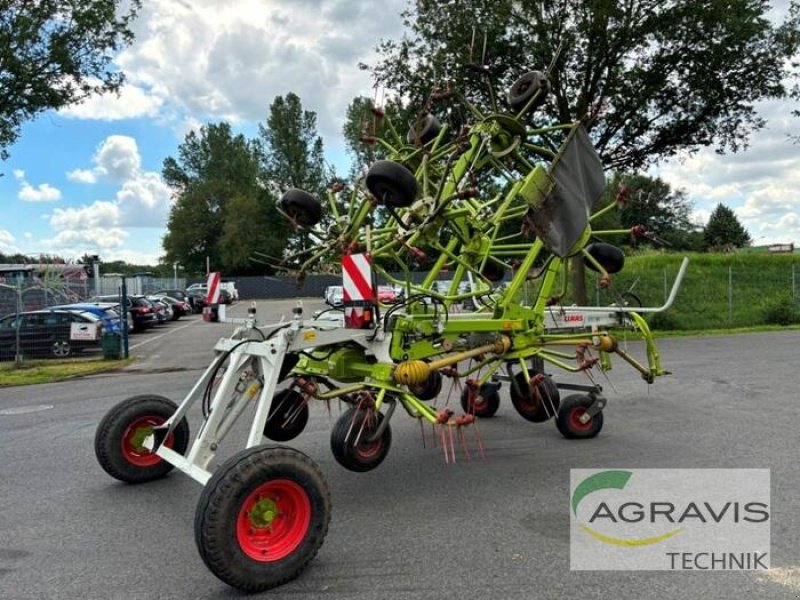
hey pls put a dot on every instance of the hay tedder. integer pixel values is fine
(264, 513)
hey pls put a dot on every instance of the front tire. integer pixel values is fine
(61, 349)
(262, 517)
(484, 403)
(121, 432)
(538, 402)
(288, 416)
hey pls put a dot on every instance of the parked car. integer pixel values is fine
(179, 308)
(110, 318)
(139, 308)
(230, 287)
(389, 294)
(177, 294)
(160, 309)
(49, 332)
(334, 295)
(200, 291)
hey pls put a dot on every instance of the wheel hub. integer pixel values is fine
(138, 437)
(263, 513)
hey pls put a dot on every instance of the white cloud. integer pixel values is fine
(101, 238)
(118, 157)
(82, 176)
(7, 242)
(131, 103)
(96, 215)
(44, 192)
(212, 60)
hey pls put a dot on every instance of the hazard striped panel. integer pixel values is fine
(358, 291)
(212, 284)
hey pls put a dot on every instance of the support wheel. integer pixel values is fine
(391, 183)
(574, 421)
(424, 131)
(429, 389)
(350, 441)
(484, 404)
(262, 517)
(535, 402)
(288, 416)
(524, 88)
(120, 435)
(301, 206)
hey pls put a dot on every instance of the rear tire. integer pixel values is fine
(288, 416)
(429, 389)
(262, 517)
(483, 405)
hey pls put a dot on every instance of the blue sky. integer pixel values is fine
(87, 179)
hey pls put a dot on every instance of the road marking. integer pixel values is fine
(153, 339)
(23, 410)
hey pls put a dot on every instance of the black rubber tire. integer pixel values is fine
(219, 510)
(523, 89)
(566, 419)
(365, 456)
(284, 404)
(108, 439)
(424, 131)
(391, 183)
(430, 389)
(611, 258)
(532, 407)
(484, 408)
(631, 299)
(301, 206)
(492, 271)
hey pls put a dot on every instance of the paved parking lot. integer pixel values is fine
(415, 527)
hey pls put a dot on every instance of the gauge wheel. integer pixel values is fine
(350, 440)
(303, 208)
(574, 421)
(391, 183)
(424, 131)
(429, 389)
(484, 403)
(288, 416)
(120, 436)
(524, 88)
(262, 517)
(536, 403)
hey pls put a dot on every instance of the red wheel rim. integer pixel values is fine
(474, 404)
(134, 435)
(369, 449)
(274, 520)
(575, 417)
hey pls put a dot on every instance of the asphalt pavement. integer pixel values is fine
(496, 527)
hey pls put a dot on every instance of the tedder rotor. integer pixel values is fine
(264, 513)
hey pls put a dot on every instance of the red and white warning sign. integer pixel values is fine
(212, 285)
(358, 290)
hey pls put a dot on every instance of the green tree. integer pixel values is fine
(652, 203)
(724, 231)
(221, 208)
(55, 53)
(292, 151)
(650, 78)
(364, 121)
(292, 156)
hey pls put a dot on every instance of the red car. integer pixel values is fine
(388, 294)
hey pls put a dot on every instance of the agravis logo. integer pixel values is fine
(673, 519)
(603, 481)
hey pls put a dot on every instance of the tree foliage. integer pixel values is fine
(650, 78)
(54, 53)
(652, 203)
(221, 205)
(724, 231)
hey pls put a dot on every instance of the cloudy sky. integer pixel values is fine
(87, 179)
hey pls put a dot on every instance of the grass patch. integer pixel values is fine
(32, 372)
